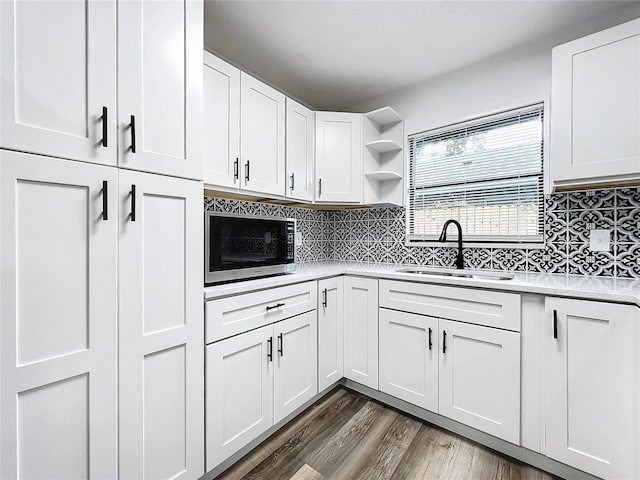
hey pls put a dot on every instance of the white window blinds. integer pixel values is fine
(485, 173)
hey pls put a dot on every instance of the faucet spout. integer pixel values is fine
(443, 238)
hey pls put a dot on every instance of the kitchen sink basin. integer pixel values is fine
(475, 274)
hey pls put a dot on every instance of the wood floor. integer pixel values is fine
(348, 436)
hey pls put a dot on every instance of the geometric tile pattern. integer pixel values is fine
(377, 235)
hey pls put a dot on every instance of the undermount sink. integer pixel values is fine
(475, 274)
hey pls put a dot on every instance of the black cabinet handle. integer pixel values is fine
(236, 168)
(319, 187)
(246, 171)
(277, 305)
(104, 126)
(281, 343)
(555, 324)
(132, 125)
(132, 215)
(444, 341)
(292, 181)
(105, 200)
(324, 298)
(430, 344)
(270, 349)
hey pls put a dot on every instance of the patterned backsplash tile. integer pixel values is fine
(377, 235)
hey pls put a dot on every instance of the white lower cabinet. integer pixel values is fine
(591, 377)
(239, 385)
(409, 357)
(161, 359)
(480, 378)
(255, 379)
(330, 331)
(361, 330)
(58, 318)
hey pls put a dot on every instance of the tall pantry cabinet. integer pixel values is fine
(101, 361)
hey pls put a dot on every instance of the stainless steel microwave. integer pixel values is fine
(237, 247)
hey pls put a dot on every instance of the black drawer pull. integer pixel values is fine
(444, 341)
(430, 344)
(236, 168)
(292, 181)
(270, 349)
(132, 125)
(105, 200)
(324, 298)
(281, 348)
(246, 171)
(555, 324)
(132, 215)
(104, 126)
(277, 305)
(319, 187)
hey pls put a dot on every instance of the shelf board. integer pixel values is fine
(383, 146)
(383, 175)
(384, 116)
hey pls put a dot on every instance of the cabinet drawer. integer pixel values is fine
(233, 315)
(482, 307)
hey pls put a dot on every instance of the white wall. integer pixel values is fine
(516, 78)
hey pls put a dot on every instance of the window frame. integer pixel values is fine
(508, 242)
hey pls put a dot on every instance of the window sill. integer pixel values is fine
(454, 244)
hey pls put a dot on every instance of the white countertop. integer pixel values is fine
(620, 290)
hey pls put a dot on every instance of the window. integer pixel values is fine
(485, 173)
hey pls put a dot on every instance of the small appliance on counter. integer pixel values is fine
(238, 247)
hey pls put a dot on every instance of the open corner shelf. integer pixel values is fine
(384, 116)
(383, 175)
(383, 146)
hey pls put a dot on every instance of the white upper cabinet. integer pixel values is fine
(221, 114)
(595, 108)
(160, 86)
(58, 318)
(338, 157)
(300, 151)
(262, 139)
(58, 75)
(590, 376)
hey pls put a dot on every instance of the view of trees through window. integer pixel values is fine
(486, 174)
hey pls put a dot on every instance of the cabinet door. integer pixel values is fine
(300, 151)
(409, 357)
(361, 330)
(221, 114)
(58, 404)
(330, 332)
(53, 92)
(339, 176)
(161, 327)
(160, 86)
(480, 378)
(296, 359)
(262, 138)
(591, 376)
(595, 129)
(239, 392)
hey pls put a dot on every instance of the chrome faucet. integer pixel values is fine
(443, 238)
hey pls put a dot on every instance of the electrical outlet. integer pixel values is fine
(599, 240)
(298, 239)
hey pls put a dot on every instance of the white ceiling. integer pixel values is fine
(334, 54)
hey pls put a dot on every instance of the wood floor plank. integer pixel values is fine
(334, 452)
(335, 400)
(346, 436)
(308, 437)
(426, 454)
(307, 473)
(382, 461)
